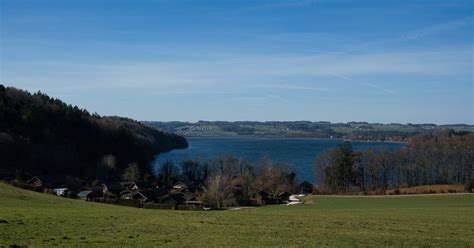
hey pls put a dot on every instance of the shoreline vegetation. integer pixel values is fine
(276, 138)
(442, 157)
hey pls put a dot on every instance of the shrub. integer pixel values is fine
(468, 185)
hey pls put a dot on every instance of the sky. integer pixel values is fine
(338, 61)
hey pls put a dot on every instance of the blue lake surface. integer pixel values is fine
(299, 154)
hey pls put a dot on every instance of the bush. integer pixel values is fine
(20, 184)
(468, 185)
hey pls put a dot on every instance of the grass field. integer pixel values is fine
(40, 220)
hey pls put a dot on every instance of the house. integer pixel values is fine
(83, 194)
(60, 191)
(35, 183)
(195, 188)
(306, 188)
(127, 185)
(142, 196)
(113, 188)
(175, 199)
(134, 186)
(137, 196)
(189, 196)
(139, 186)
(97, 193)
(180, 186)
(194, 203)
(125, 192)
(151, 194)
(161, 191)
(191, 205)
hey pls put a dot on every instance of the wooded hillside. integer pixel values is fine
(40, 134)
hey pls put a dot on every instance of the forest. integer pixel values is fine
(43, 135)
(442, 157)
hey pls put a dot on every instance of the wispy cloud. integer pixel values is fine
(436, 29)
(289, 87)
(237, 72)
(340, 76)
(381, 88)
(285, 4)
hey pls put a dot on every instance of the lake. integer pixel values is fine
(298, 153)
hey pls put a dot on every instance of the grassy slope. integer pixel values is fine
(41, 220)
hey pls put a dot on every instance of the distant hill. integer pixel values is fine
(43, 135)
(305, 129)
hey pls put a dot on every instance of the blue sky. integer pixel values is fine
(376, 61)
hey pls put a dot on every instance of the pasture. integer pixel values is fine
(40, 220)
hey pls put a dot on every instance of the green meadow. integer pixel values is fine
(40, 220)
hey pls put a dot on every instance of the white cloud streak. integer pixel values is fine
(285, 4)
(236, 72)
(436, 29)
(381, 88)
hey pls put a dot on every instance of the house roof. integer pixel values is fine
(60, 189)
(131, 184)
(306, 184)
(141, 185)
(114, 187)
(34, 179)
(162, 191)
(180, 185)
(84, 193)
(176, 199)
(96, 188)
(189, 196)
(127, 184)
(139, 195)
(151, 194)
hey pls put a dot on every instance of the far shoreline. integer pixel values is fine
(288, 138)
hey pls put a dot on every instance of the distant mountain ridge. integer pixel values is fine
(304, 129)
(43, 135)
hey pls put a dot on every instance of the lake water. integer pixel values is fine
(299, 154)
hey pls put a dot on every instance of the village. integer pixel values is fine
(178, 196)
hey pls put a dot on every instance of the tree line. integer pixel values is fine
(228, 181)
(43, 135)
(443, 157)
